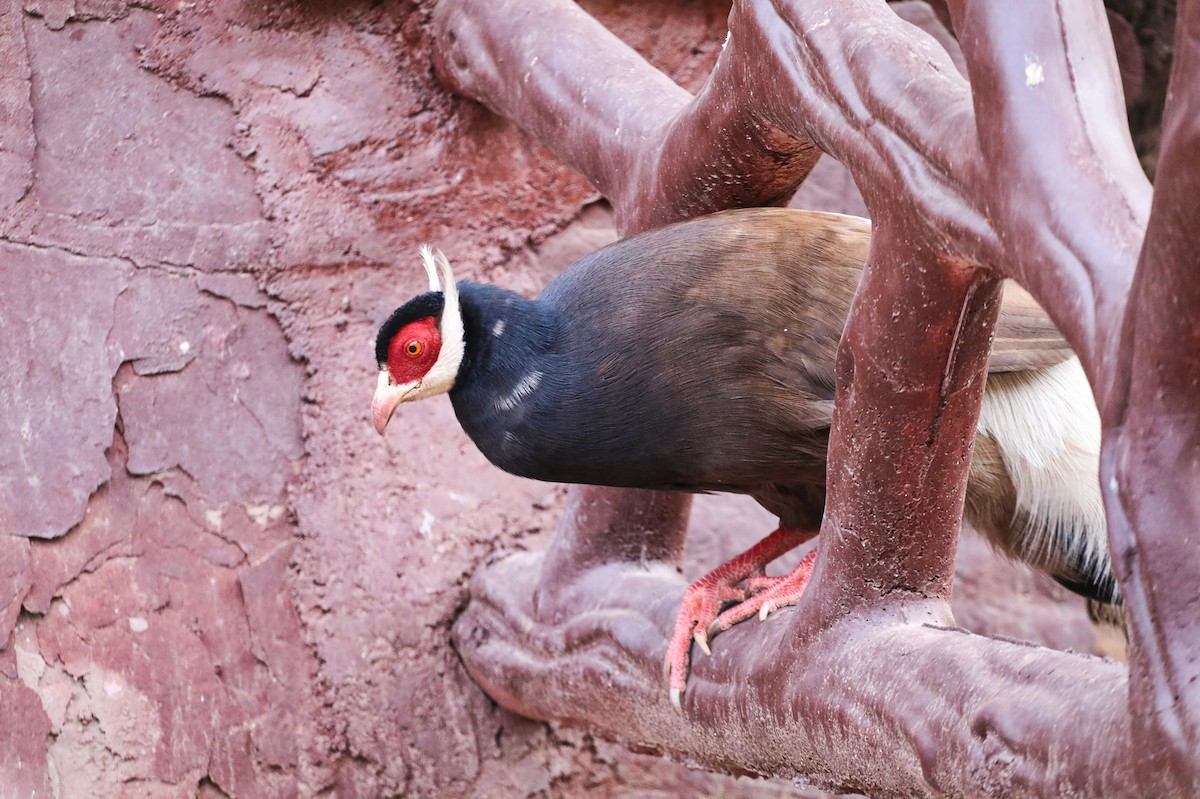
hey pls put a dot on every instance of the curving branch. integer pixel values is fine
(1151, 465)
(893, 702)
(1051, 67)
(964, 186)
(1086, 207)
(657, 154)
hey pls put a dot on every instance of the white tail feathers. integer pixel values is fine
(1048, 431)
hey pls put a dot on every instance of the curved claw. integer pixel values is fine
(713, 628)
(700, 617)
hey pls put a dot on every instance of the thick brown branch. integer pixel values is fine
(1062, 184)
(1152, 457)
(607, 525)
(635, 134)
(820, 705)
(910, 378)
(582, 91)
(1080, 200)
(896, 112)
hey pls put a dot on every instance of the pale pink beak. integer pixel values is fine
(388, 397)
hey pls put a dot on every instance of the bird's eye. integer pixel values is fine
(414, 348)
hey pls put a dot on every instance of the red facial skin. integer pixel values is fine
(414, 350)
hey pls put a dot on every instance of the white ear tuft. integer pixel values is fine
(441, 376)
(427, 261)
(449, 287)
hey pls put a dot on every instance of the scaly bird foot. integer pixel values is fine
(701, 608)
(767, 594)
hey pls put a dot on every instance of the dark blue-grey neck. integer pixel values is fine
(505, 372)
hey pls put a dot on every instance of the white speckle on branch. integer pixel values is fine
(1035, 75)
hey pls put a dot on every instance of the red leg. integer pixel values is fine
(700, 614)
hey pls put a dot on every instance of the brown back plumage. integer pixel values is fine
(706, 350)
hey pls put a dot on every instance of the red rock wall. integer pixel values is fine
(215, 579)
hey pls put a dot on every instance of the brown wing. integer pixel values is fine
(819, 258)
(808, 264)
(1025, 336)
(709, 347)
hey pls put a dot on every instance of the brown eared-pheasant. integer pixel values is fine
(700, 357)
